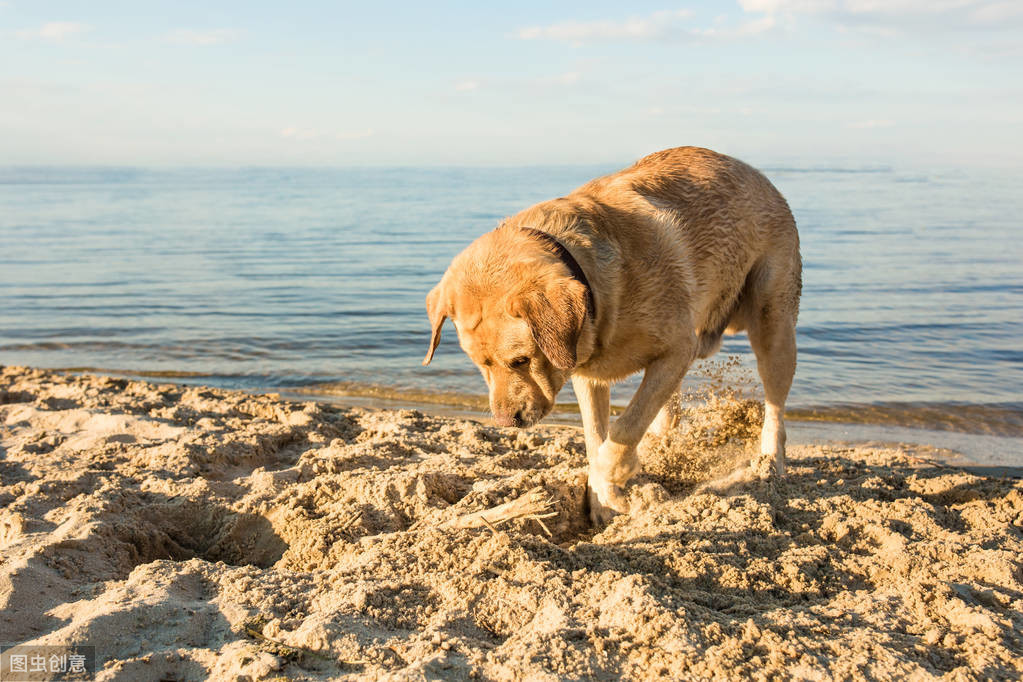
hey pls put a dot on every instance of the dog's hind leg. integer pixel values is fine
(668, 417)
(772, 334)
(670, 414)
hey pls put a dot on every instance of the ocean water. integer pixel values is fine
(279, 278)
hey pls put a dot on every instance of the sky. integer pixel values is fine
(865, 82)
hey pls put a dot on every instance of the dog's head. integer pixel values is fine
(519, 314)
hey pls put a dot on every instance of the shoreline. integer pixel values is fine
(965, 450)
(989, 419)
(958, 441)
(191, 532)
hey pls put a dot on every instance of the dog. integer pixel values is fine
(641, 270)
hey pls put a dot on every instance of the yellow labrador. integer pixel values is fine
(644, 269)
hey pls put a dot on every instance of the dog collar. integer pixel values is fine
(571, 263)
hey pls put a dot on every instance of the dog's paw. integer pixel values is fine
(606, 502)
(768, 466)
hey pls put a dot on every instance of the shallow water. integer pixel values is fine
(268, 278)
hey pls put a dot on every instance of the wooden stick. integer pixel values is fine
(297, 650)
(534, 504)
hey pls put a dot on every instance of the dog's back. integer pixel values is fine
(720, 217)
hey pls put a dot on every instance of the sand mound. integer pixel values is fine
(191, 533)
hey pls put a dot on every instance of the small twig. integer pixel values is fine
(293, 650)
(351, 519)
(539, 519)
(533, 504)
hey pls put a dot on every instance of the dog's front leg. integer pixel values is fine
(595, 407)
(616, 460)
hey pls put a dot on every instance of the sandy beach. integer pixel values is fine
(192, 533)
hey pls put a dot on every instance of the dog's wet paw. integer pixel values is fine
(606, 502)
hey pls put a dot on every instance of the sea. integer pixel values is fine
(312, 281)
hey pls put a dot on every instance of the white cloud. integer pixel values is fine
(467, 86)
(216, 36)
(658, 26)
(55, 31)
(358, 135)
(891, 7)
(307, 134)
(779, 6)
(996, 12)
(882, 18)
(561, 79)
(749, 28)
(300, 134)
(893, 17)
(666, 26)
(871, 123)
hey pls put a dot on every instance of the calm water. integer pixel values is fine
(270, 278)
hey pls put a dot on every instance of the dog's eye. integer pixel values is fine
(519, 363)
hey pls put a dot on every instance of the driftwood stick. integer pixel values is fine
(535, 504)
(289, 650)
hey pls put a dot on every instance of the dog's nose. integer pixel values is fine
(504, 419)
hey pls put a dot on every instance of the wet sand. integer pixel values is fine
(194, 533)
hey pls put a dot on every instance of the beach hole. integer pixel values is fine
(185, 529)
(11, 397)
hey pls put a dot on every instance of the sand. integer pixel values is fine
(193, 533)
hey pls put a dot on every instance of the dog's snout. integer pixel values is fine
(506, 419)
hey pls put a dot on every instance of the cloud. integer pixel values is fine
(357, 135)
(55, 31)
(749, 28)
(889, 7)
(779, 6)
(665, 27)
(881, 18)
(300, 134)
(307, 134)
(467, 86)
(658, 26)
(894, 17)
(870, 124)
(216, 36)
(560, 79)
(996, 12)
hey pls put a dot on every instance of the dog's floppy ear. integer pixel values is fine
(555, 314)
(437, 309)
